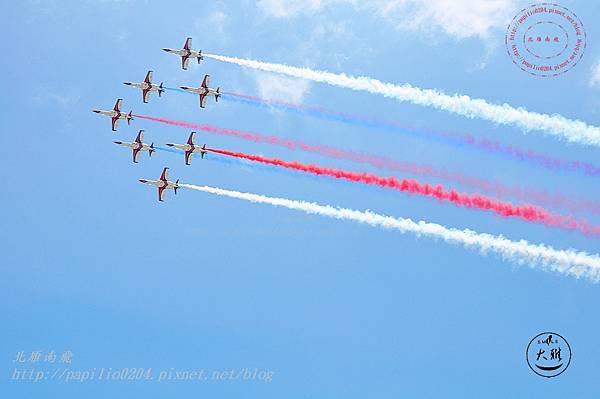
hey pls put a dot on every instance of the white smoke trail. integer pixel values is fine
(570, 262)
(556, 125)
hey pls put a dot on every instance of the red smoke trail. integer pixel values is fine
(506, 209)
(498, 189)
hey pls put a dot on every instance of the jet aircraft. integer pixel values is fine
(147, 87)
(116, 114)
(190, 148)
(138, 146)
(163, 184)
(186, 53)
(204, 91)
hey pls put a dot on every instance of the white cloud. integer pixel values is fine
(457, 18)
(281, 88)
(47, 96)
(293, 8)
(218, 20)
(595, 79)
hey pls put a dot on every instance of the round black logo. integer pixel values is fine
(548, 354)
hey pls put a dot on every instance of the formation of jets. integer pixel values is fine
(138, 146)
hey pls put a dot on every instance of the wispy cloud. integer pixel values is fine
(293, 8)
(280, 87)
(46, 96)
(460, 19)
(595, 79)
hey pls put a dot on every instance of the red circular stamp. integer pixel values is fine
(545, 39)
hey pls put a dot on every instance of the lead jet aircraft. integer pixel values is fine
(138, 146)
(116, 114)
(186, 53)
(204, 91)
(147, 87)
(190, 148)
(163, 184)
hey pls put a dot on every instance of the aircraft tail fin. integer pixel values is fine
(218, 94)
(151, 149)
(200, 57)
(176, 186)
(129, 117)
(160, 89)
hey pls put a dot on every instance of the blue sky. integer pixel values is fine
(95, 265)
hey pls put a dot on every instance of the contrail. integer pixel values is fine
(572, 130)
(502, 190)
(459, 140)
(474, 201)
(568, 262)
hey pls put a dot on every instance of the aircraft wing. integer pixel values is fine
(140, 137)
(185, 60)
(145, 95)
(148, 78)
(136, 155)
(165, 174)
(115, 123)
(161, 193)
(206, 81)
(188, 43)
(202, 100)
(188, 157)
(192, 138)
(118, 105)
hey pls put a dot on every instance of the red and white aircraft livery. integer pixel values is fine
(204, 91)
(186, 53)
(116, 114)
(147, 87)
(138, 146)
(190, 148)
(163, 184)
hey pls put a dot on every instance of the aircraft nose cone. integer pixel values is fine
(165, 49)
(169, 145)
(142, 181)
(127, 83)
(96, 111)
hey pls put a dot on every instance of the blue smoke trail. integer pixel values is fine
(177, 89)
(332, 117)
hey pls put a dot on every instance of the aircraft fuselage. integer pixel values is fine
(112, 114)
(184, 53)
(144, 86)
(135, 145)
(161, 183)
(206, 91)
